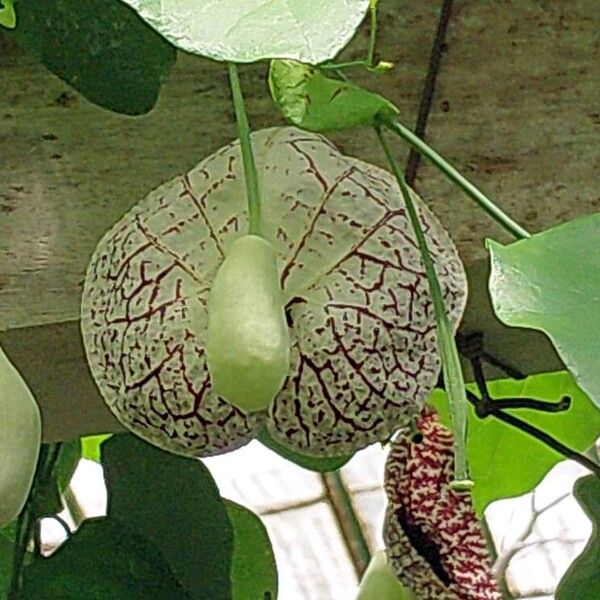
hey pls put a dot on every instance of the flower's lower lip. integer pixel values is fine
(363, 351)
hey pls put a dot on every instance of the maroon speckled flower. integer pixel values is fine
(435, 543)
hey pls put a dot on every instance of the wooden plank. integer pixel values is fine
(69, 170)
(52, 360)
(517, 111)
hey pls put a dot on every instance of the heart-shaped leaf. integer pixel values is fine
(551, 282)
(104, 559)
(312, 101)
(253, 567)
(363, 352)
(494, 448)
(100, 47)
(311, 31)
(583, 575)
(175, 504)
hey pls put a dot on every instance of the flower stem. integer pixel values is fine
(28, 518)
(372, 34)
(250, 175)
(484, 202)
(453, 376)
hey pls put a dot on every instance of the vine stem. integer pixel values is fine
(348, 520)
(27, 518)
(250, 175)
(445, 337)
(395, 126)
(372, 33)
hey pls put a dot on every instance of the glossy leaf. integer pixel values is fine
(583, 576)
(253, 567)
(551, 282)
(494, 448)
(312, 101)
(320, 464)
(175, 504)
(8, 18)
(99, 47)
(308, 30)
(104, 560)
(90, 446)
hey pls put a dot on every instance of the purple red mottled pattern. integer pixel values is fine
(434, 541)
(362, 326)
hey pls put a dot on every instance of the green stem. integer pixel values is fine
(453, 377)
(344, 65)
(484, 202)
(250, 175)
(27, 518)
(348, 520)
(372, 34)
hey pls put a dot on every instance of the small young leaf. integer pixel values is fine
(312, 101)
(319, 464)
(550, 282)
(90, 446)
(8, 18)
(494, 448)
(308, 30)
(583, 576)
(106, 560)
(99, 47)
(175, 504)
(253, 567)
(68, 459)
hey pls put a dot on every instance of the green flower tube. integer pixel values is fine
(248, 343)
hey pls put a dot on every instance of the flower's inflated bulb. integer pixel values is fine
(435, 544)
(20, 438)
(380, 583)
(248, 343)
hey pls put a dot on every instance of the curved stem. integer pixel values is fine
(484, 409)
(484, 202)
(28, 518)
(452, 370)
(250, 175)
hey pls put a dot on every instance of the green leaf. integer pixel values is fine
(551, 282)
(253, 568)
(583, 575)
(506, 462)
(7, 536)
(68, 459)
(90, 446)
(308, 30)
(175, 503)
(312, 463)
(8, 17)
(104, 560)
(312, 101)
(99, 47)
